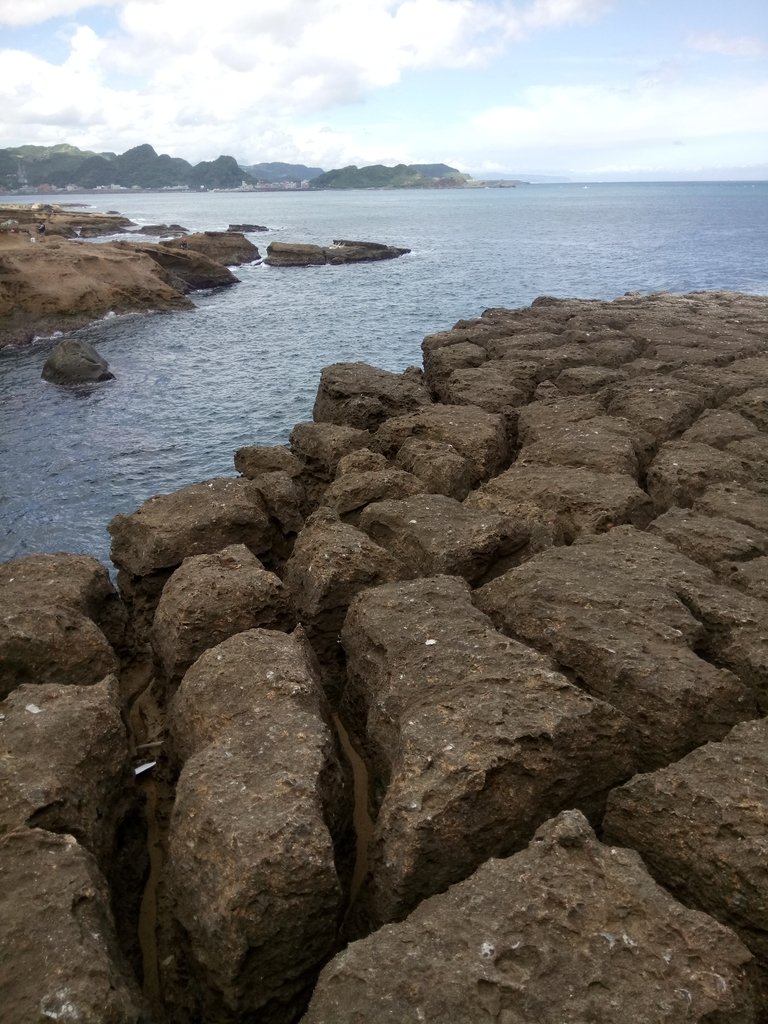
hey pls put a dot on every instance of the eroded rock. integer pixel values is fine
(566, 930)
(362, 396)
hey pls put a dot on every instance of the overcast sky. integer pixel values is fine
(588, 89)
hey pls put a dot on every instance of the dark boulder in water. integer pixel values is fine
(75, 362)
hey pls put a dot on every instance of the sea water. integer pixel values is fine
(242, 367)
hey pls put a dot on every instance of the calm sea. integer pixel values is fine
(242, 367)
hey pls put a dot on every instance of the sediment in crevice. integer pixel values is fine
(519, 578)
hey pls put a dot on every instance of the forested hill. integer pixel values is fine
(400, 176)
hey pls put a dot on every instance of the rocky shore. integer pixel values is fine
(453, 709)
(52, 281)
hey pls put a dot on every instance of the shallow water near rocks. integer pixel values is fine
(242, 367)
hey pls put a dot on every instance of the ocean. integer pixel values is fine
(243, 366)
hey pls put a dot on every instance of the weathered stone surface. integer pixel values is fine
(362, 396)
(753, 405)
(362, 461)
(430, 534)
(59, 957)
(718, 428)
(752, 577)
(564, 932)
(211, 597)
(732, 501)
(472, 739)
(187, 269)
(494, 386)
(479, 436)
(51, 645)
(683, 470)
(78, 582)
(253, 460)
(284, 498)
(626, 612)
(537, 420)
(700, 826)
(228, 247)
(298, 254)
(351, 493)
(75, 362)
(604, 444)
(556, 504)
(438, 464)
(711, 540)
(331, 562)
(251, 895)
(321, 446)
(194, 520)
(441, 361)
(581, 380)
(64, 762)
(659, 405)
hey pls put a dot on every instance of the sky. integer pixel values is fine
(588, 90)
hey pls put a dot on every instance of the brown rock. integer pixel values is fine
(362, 396)
(581, 380)
(441, 361)
(64, 762)
(211, 597)
(51, 645)
(478, 436)
(494, 386)
(718, 428)
(556, 504)
(331, 562)
(752, 577)
(710, 540)
(321, 446)
(700, 827)
(732, 501)
(625, 612)
(297, 254)
(430, 534)
(564, 932)
(683, 470)
(604, 444)
(662, 407)
(472, 739)
(78, 582)
(362, 461)
(438, 464)
(752, 404)
(251, 896)
(193, 520)
(228, 247)
(59, 957)
(189, 270)
(351, 493)
(253, 460)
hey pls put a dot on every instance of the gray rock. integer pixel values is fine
(75, 362)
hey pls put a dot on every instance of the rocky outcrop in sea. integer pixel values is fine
(452, 709)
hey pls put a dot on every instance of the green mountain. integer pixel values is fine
(280, 172)
(400, 176)
(141, 167)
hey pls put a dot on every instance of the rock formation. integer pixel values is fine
(299, 254)
(75, 362)
(518, 596)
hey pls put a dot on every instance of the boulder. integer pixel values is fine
(320, 447)
(211, 597)
(603, 444)
(59, 956)
(683, 470)
(351, 493)
(495, 386)
(567, 930)
(64, 763)
(78, 582)
(659, 405)
(228, 247)
(438, 464)
(752, 577)
(194, 520)
(478, 436)
(430, 534)
(362, 396)
(700, 827)
(75, 362)
(472, 740)
(251, 896)
(331, 563)
(557, 504)
(254, 460)
(626, 613)
(753, 405)
(297, 254)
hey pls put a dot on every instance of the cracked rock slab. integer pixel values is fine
(472, 739)
(564, 932)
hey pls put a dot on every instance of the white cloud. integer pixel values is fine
(728, 46)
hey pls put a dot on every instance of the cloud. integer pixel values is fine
(34, 12)
(728, 46)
